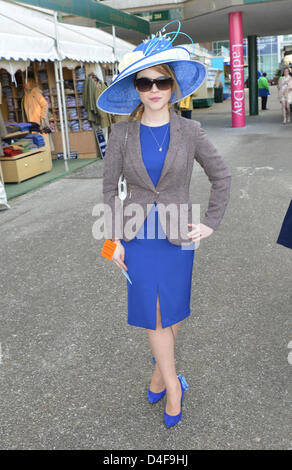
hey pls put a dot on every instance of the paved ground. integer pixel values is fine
(74, 374)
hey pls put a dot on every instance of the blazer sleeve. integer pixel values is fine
(113, 165)
(219, 176)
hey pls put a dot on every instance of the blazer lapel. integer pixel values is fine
(135, 153)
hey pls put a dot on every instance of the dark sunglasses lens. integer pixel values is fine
(164, 83)
(144, 84)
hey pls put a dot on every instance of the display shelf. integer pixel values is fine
(14, 134)
(28, 164)
(82, 141)
(69, 119)
(66, 94)
(70, 78)
(70, 107)
(21, 155)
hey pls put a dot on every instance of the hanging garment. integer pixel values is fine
(89, 101)
(105, 118)
(91, 92)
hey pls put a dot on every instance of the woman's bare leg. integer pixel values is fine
(284, 112)
(157, 383)
(162, 342)
(288, 111)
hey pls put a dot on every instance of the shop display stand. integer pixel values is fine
(26, 165)
(81, 141)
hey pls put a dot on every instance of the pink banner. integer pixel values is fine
(236, 69)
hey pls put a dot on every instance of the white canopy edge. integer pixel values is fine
(30, 35)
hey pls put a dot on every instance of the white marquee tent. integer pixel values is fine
(29, 34)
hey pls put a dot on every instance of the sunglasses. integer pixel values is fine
(145, 84)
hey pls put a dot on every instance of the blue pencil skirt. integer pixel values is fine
(157, 268)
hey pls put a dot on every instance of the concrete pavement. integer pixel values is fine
(74, 374)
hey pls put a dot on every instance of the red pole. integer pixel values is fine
(236, 68)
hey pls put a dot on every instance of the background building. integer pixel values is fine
(270, 52)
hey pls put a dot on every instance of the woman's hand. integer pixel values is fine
(199, 232)
(119, 256)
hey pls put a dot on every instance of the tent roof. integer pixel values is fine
(96, 37)
(23, 39)
(29, 35)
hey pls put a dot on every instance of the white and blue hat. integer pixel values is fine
(121, 97)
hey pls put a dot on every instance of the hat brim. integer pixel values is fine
(121, 97)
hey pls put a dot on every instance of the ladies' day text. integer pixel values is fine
(237, 80)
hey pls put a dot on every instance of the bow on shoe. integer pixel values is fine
(184, 383)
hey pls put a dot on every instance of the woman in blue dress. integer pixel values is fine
(160, 271)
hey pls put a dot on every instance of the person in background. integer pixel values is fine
(186, 107)
(35, 105)
(264, 90)
(285, 93)
(285, 235)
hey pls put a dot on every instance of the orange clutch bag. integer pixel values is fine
(108, 249)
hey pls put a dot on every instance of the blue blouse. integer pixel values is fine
(153, 160)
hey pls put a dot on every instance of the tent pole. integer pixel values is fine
(61, 114)
(114, 48)
(59, 82)
(64, 107)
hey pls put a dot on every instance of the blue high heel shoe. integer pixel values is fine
(152, 396)
(172, 420)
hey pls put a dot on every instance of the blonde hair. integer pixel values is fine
(165, 69)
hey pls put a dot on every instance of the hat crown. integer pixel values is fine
(154, 46)
(144, 49)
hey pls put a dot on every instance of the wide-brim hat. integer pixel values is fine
(121, 97)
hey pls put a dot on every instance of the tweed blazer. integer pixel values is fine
(188, 142)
